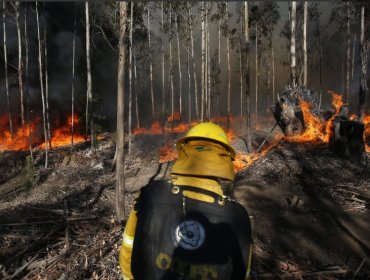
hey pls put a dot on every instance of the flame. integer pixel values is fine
(167, 153)
(174, 117)
(317, 129)
(62, 136)
(367, 133)
(20, 140)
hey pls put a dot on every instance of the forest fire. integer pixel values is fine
(21, 137)
(317, 129)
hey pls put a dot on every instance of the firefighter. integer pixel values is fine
(186, 228)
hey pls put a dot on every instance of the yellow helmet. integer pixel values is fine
(207, 131)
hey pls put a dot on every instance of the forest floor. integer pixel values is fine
(309, 210)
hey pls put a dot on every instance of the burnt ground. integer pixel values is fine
(309, 210)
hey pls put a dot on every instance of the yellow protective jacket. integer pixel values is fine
(129, 233)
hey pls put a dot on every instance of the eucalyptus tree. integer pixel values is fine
(365, 44)
(5, 47)
(42, 86)
(120, 158)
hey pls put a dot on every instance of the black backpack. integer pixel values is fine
(182, 238)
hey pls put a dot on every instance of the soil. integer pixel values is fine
(309, 210)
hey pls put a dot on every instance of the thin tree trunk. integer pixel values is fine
(203, 46)
(305, 44)
(189, 88)
(171, 68)
(73, 76)
(179, 62)
(136, 95)
(364, 58)
(241, 79)
(150, 66)
(130, 80)
(89, 81)
(292, 44)
(47, 86)
(162, 36)
(26, 84)
(228, 69)
(42, 88)
(273, 75)
(348, 68)
(246, 73)
(120, 171)
(353, 57)
(6, 73)
(20, 64)
(193, 61)
(208, 63)
(256, 42)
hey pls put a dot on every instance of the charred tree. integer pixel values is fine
(6, 72)
(171, 66)
(273, 74)
(120, 158)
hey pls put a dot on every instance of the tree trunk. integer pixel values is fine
(273, 75)
(26, 84)
(6, 73)
(20, 64)
(256, 42)
(353, 57)
(246, 73)
(47, 86)
(193, 60)
(89, 93)
(305, 44)
(293, 76)
(163, 90)
(179, 62)
(120, 171)
(241, 77)
(42, 88)
(364, 58)
(150, 65)
(189, 88)
(208, 64)
(130, 80)
(203, 49)
(171, 68)
(136, 96)
(228, 69)
(73, 76)
(348, 68)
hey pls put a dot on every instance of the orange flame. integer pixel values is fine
(20, 140)
(317, 129)
(174, 117)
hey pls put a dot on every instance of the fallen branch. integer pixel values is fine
(307, 273)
